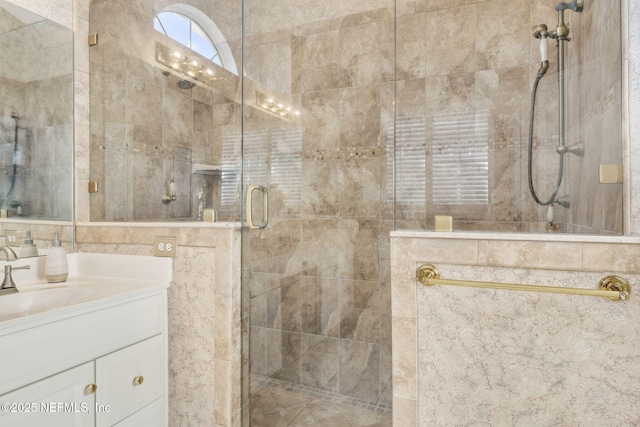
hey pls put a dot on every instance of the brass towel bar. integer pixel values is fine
(611, 287)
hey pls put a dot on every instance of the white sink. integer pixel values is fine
(43, 299)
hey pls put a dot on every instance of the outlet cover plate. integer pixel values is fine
(11, 238)
(165, 246)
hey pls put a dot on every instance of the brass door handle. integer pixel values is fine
(249, 207)
(138, 380)
(91, 388)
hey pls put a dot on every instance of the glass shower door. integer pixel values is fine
(317, 127)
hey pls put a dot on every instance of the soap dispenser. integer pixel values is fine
(27, 248)
(56, 267)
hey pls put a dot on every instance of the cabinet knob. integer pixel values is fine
(90, 389)
(138, 380)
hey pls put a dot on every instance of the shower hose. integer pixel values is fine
(532, 190)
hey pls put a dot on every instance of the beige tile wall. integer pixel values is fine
(475, 62)
(465, 355)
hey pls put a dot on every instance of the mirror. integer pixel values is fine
(36, 127)
(165, 119)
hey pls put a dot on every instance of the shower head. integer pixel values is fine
(185, 84)
(540, 31)
(575, 5)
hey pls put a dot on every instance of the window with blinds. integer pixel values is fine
(283, 172)
(410, 157)
(460, 160)
(231, 147)
(286, 164)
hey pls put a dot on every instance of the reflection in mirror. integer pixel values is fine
(36, 127)
(165, 114)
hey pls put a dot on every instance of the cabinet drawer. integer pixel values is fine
(152, 415)
(45, 350)
(58, 401)
(130, 379)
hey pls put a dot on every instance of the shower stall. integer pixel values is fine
(36, 118)
(338, 123)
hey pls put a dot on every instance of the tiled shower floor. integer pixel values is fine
(275, 403)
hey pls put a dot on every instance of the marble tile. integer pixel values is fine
(258, 353)
(360, 55)
(283, 244)
(359, 369)
(59, 11)
(177, 119)
(359, 195)
(404, 412)
(411, 99)
(453, 51)
(411, 42)
(319, 308)
(451, 94)
(145, 173)
(494, 50)
(321, 110)
(283, 355)
(320, 62)
(566, 256)
(360, 311)
(321, 182)
(404, 358)
(319, 362)
(359, 112)
(359, 244)
(619, 258)
(222, 409)
(504, 94)
(532, 334)
(143, 127)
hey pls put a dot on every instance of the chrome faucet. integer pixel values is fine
(8, 253)
(8, 286)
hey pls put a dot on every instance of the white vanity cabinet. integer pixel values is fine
(101, 363)
(41, 403)
(130, 379)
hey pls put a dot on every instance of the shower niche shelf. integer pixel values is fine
(203, 169)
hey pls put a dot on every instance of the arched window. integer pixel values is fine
(187, 32)
(193, 29)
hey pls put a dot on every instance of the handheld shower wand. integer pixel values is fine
(540, 32)
(561, 35)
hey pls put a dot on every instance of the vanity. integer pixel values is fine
(91, 351)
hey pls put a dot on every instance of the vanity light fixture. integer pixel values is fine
(278, 107)
(185, 66)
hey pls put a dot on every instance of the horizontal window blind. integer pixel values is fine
(460, 160)
(410, 158)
